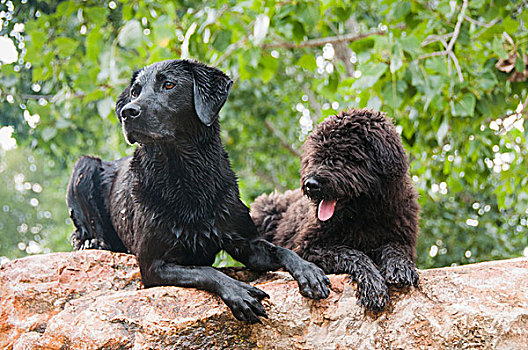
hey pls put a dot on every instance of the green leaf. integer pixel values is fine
(401, 9)
(94, 42)
(65, 46)
(96, 15)
(222, 40)
(437, 64)
(87, 79)
(498, 48)
(66, 8)
(162, 30)
(382, 43)
(93, 96)
(476, 4)
(393, 93)
(35, 48)
(308, 13)
(433, 86)
(333, 83)
(483, 107)
(442, 132)
(104, 107)
(369, 76)
(396, 59)
(519, 63)
(486, 80)
(63, 123)
(131, 34)
(416, 75)
(48, 133)
(307, 61)
(410, 44)
(269, 66)
(464, 37)
(128, 13)
(243, 70)
(511, 24)
(374, 103)
(465, 107)
(298, 32)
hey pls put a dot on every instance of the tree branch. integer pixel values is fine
(458, 25)
(457, 66)
(230, 49)
(263, 176)
(449, 48)
(350, 37)
(432, 54)
(318, 113)
(434, 38)
(47, 97)
(482, 24)
(281, 138)
(525, 106)
(307, 43)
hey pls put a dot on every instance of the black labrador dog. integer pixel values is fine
(175, 203)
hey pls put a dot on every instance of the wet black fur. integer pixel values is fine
(357, 158)
(175, 203)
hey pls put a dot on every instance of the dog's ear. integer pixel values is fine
(390, 157)
(124, 98)
(211, 88)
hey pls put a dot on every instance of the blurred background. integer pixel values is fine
(452, 74)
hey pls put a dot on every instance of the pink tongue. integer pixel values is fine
(326, 209)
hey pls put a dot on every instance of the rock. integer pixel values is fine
(36, 288)
(94, 300)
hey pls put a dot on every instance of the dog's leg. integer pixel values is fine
(396, 265)
(261, 255)
(372, 291)
(243, 299)
(92, 222)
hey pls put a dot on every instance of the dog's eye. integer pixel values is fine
(134, 92)
(168, 85)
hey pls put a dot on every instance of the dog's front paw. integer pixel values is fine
(373, 294)
(312, 281)
(245, 302)
(400, 273)
(93, 243)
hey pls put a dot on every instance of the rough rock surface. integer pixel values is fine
(94, 300)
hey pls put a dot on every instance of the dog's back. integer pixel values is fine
(267, 211)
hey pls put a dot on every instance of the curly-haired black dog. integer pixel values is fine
(360, 213)
(175, 203)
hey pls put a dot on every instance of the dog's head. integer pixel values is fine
(350, 155)
(170, 100)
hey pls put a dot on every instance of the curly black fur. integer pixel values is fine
(175, 203)
(355, 158)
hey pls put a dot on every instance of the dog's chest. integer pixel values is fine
(177, 205)
(201, 241)
(185, 244)
(356, 233)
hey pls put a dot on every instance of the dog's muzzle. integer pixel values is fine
(130, 111)
(312, 188)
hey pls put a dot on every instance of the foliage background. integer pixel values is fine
(452, 74)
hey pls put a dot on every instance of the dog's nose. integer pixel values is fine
(312, 186)
(130, 111)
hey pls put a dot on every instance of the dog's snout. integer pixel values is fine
(312, 186)
(131, 111)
